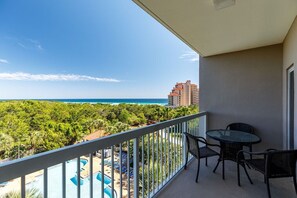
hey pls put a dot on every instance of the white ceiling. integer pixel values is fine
(248, 24)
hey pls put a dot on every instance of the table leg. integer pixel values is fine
(219, 160)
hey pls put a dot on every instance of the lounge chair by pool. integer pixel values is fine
(74, 180)
(107, 180)
(107, 191)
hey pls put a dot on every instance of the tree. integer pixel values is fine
(99, 124)
(111, 129)
(121, 126)
(7, 144)
(29, 127)
(124, 116)
(30, 193)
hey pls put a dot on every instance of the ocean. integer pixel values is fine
(142, 101)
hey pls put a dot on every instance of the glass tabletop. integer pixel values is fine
(232, 136)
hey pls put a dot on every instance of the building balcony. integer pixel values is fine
(144, 162)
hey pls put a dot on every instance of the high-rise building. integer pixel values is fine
(194, 94)
(183, 94)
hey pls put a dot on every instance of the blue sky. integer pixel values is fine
(88, 49)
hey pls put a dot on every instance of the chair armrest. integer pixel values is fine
(250, 153)
(256, 153)
(204, 141)
(215, 145)
(199, 137)
(271, 149)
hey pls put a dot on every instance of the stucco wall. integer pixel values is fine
(245, 86)
(289, 59)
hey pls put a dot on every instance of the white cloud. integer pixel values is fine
(3, 61)
(26, 43)
(22, 45)
(20, 76)
(36, 44)
(190, 56)
(30, 44)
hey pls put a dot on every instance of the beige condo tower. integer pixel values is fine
(183, 94)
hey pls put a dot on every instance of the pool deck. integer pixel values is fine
(85, 173)
(211, 185)
(15, 184)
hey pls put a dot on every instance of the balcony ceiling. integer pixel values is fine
(245, 25)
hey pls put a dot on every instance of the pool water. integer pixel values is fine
(3, 184)
(55, 182)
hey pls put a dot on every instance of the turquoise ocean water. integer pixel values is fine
(142, 101)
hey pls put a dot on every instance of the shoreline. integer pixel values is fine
(111, 101)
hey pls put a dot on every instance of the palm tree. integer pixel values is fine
(30, 193)
(184, 111)
(167, 112)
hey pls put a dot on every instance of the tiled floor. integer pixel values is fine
(211, 185)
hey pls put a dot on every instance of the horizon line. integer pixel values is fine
(72, 98)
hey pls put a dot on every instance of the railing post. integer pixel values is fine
(45, 183)
(184, 129)
(136, 167)
(23, 186)
(202, 126)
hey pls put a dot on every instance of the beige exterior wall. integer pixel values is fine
(245, 86)
(289, 59)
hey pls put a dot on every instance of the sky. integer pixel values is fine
(88, 49)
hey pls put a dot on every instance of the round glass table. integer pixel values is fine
(231, 143)
(231, 136)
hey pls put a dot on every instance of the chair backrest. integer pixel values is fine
(241, 127)
(192, 144)
(281, 163)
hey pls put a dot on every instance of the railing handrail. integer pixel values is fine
(23, 166)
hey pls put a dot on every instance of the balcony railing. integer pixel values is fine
(136, 163)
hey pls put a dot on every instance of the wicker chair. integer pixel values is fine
(242, 127)
(274, 164)
(199, 152)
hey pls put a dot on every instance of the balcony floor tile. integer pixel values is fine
(211, 185)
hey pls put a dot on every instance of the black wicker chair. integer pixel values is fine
(199, 152)
(242, 127)
(274, 164)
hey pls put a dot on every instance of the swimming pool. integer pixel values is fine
(3, 184)
(55, 182)
(74, 178)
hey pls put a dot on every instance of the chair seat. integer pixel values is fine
(258, 164)
(275, 164)
(193, 147)
(207, 152)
